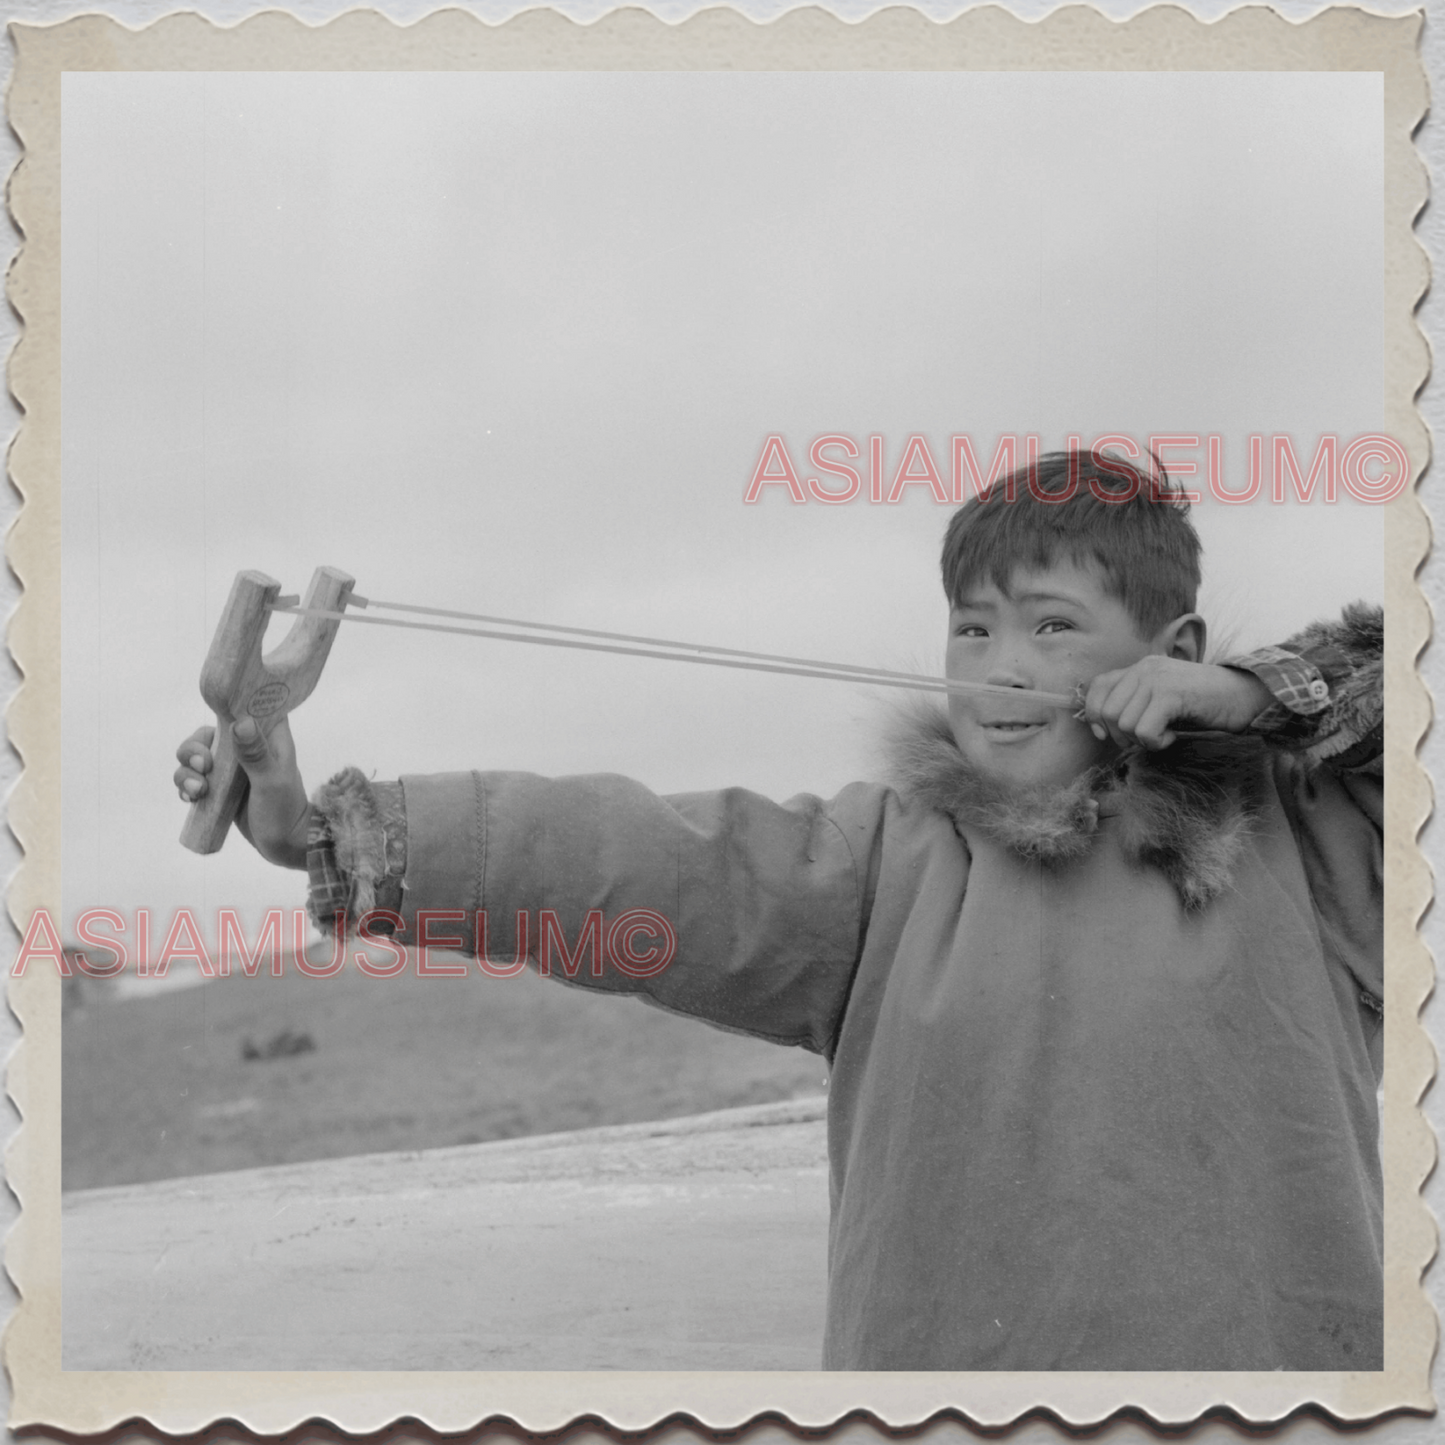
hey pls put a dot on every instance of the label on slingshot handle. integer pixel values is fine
(268, 699)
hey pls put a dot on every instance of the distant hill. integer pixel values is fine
(241, 1072)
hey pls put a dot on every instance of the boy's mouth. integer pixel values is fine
(1007, 731)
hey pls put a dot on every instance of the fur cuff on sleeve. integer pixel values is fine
(361, 856)
(1350, 655)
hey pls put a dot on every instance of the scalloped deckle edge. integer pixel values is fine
(446, 1401)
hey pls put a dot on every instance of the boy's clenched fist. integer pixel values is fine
(275, 814)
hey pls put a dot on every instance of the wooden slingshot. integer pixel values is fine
(237, 679)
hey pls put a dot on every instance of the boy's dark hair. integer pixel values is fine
(1083, 506)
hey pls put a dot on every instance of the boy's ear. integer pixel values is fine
(1184, 638)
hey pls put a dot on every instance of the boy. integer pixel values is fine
(1100, 992)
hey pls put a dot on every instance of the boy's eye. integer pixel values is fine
(970, 629)
(1056, 624)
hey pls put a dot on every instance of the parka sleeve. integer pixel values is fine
(723, 906)
(1328, 726)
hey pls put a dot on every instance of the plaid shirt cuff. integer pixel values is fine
(1327, 685)
(328, 891)
(1299, 688)
(356, 853)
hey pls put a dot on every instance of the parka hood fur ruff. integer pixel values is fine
(1186, 810)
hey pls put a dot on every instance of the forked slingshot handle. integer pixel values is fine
(237, 679)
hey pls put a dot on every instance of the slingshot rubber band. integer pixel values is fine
(620, 643)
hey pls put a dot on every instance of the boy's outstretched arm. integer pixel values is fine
(275, 815)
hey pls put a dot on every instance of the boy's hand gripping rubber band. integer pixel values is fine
(237, 679)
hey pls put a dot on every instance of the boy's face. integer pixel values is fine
(1056, 628)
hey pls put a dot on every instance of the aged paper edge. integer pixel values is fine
(1162, 38)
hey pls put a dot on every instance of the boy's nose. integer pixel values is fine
(1009, 671)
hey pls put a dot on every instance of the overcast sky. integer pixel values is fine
(513, 343)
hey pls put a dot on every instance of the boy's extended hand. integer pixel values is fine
(1140, 705)
(276, 812)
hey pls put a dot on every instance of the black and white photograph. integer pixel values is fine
(724, 721)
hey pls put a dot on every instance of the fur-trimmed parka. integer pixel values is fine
(1102, 1065)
